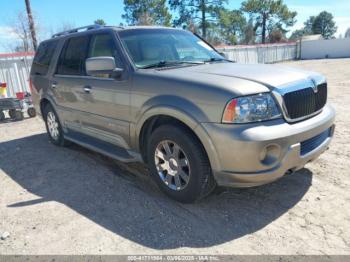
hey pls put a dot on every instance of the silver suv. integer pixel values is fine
(167, 98)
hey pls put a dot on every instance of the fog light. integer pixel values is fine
(270, 154)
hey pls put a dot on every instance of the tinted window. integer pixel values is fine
(72, 60)
(43, 57)
(102, 45)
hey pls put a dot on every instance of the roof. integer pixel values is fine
(100, 27)
(144, 27)
(311, 37)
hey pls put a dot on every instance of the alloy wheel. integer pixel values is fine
(172, 165)
(52, 125)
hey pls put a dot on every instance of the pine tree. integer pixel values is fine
(268, 13)
(141, 12)
(203, 12)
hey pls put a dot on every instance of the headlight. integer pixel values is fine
(253, 108)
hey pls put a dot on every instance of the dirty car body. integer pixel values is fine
(254, 123)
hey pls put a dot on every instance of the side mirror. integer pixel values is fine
(102, 65)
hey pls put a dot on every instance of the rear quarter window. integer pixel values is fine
(43, 57)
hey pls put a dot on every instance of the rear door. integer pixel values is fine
(39, 74)
(67, 83)
(106, 100)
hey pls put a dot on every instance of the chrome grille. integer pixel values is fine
(304, 102)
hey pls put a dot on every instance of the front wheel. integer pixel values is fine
(179, 164)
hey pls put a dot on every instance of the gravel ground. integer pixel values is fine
(73, 201)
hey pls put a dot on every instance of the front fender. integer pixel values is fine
(191, 117)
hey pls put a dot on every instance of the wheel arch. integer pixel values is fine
(43, 103)
(161, 115)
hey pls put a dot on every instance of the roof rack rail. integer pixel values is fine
(76, 30)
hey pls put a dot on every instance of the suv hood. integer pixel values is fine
(241, 79)
(269, 75)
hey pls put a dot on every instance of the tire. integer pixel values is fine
(31, 112)
(52, 120)
(2, 116)
(19, 116)
(12, 113)
(192, 161)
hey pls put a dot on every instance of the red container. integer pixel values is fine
(20, 95)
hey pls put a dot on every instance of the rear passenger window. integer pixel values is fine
(72, 59)
(43, 57)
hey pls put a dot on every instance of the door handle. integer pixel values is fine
(54, 84)
(87, 89)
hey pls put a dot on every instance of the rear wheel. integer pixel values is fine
(31, 112)
(53, 126)
(2, 116)
(19, 115)
(12, 113)
(179, 164)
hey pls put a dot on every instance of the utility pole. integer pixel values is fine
(31, 24)
(204, 24)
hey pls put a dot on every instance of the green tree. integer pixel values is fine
(323, 24)
(308, 25)
(232, 24)
(100, 22)
(145, 12)
(249, 33)
(276, 36)
(203, 12)
(306, 30)
(268, 12)
(297, 34)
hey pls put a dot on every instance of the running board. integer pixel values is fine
(100, 146)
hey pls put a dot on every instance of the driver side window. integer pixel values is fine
(103, 45)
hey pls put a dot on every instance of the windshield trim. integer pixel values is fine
(169, 63)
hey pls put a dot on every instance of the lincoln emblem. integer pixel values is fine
(314, 85)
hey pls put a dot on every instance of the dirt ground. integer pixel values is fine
(73, 201)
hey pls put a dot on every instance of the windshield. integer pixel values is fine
(165, 47)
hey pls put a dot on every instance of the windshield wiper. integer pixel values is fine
(170, 63)
(214, 59)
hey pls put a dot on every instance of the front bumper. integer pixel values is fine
(259, 153)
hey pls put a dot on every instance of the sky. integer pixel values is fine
(52, 15)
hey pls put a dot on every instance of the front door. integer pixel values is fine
(106, 100)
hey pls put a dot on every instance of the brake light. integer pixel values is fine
(230, 111)
(3, 85)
